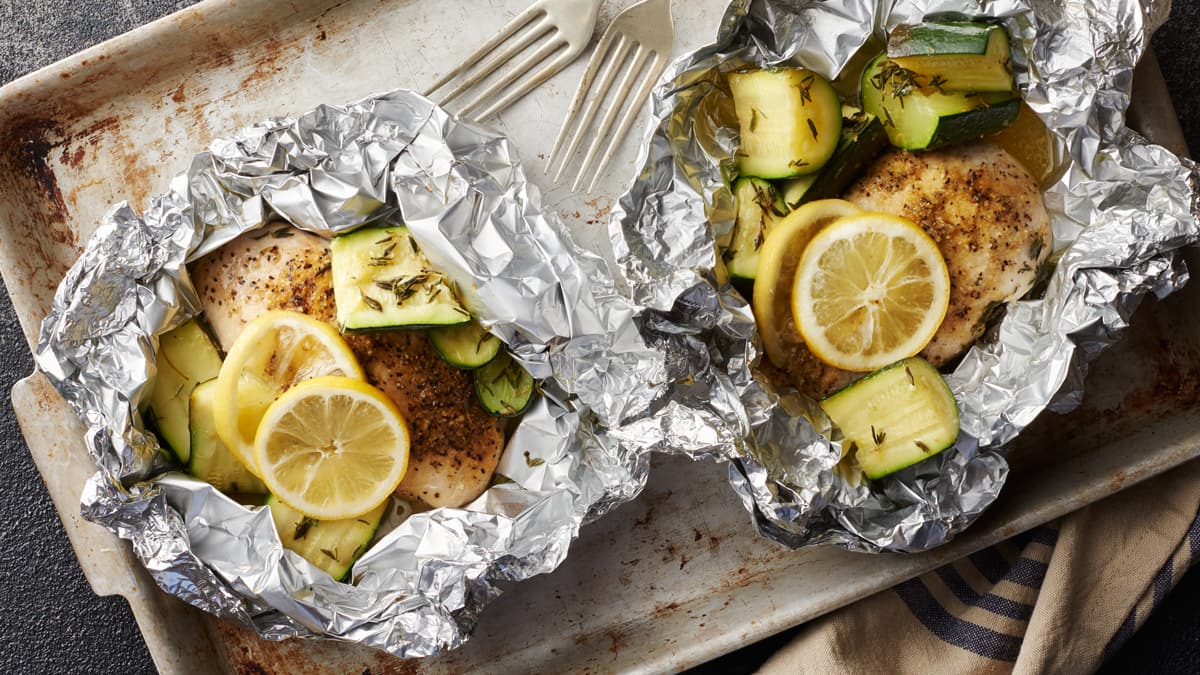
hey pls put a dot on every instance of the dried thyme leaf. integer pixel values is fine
(332, 554)
(812, 127)
(1035, 248)
(302, 528)
(370, 302)
(889, 122)
(806, 89)
(924, 448)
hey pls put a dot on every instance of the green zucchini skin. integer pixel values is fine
(940, 37)
(963, 126)
(210, 460)
(790, 121)
(863, 139)
(382, 281)
(332, 545)
(915, 119)
(759, 205)
(186, 357)
(465, 347)
(895, 417)
(503, 387)
(959, 56)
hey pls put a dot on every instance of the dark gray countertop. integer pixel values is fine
(51, 622)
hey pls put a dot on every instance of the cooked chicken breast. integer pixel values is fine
(986, 214)
(456, 444)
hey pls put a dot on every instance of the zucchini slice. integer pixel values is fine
(186, 357)
(381, 280)
(792, 190)
(332, 545)
(863, 139)
(759, 205)
(503, 386)
(790, 120)
(211, 461)
(955, 56)
(894, 417)
(468, 346)
(915, 119)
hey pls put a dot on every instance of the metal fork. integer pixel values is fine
(638, 42)
(559, 28)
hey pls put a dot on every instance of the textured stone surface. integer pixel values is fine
(51, 622)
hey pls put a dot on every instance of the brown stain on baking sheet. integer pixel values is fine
(32, 141)
(1161, 349)
(617, 640)
(268, 65)
(246, 654)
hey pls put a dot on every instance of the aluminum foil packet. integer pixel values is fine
(465, 198)
(1121, 210)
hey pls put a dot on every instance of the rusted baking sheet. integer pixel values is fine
(670, 580)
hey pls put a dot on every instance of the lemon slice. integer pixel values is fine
(332, 447)
(870, 290)
(273, 353)
(777, 261)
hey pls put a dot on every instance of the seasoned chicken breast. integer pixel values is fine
(986, 214)
(456, 444)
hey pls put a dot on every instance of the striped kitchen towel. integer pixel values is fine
(1061, 598)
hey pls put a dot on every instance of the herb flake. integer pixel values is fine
(877, 436)
(302, 528)
(370, 302)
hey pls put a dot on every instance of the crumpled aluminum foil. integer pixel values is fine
(665, 363)
(1122, 209)
(464, 195)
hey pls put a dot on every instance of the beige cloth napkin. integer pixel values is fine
(1058, 599)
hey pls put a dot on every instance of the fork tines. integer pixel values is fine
(636, 45)
(554, 31)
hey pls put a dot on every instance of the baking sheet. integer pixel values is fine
(620, 602)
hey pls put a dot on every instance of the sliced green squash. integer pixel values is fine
(790, 121)
(955, 56)
(863, 139)
(381, 280)
(915, 119)
(468, 346)
(759, 205)
(894, 417)
(186, 357)
(210, 460)
(793, 190)
(332, 545)
(503, 386)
